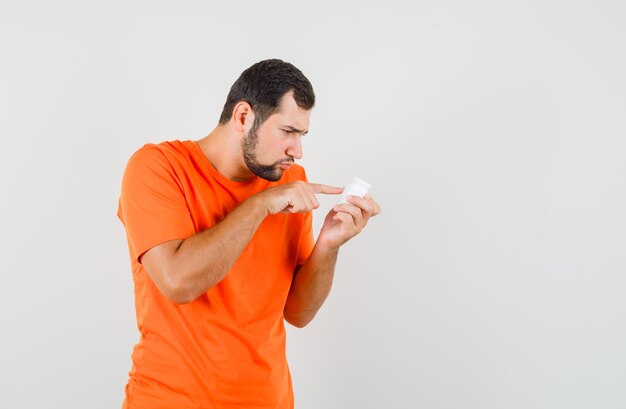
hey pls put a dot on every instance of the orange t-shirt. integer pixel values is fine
(226, 349)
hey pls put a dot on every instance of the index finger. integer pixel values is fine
(329, 190)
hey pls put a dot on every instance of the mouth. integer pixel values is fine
(285, 164)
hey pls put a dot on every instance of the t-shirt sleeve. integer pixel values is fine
(307, 241)
(152, 204)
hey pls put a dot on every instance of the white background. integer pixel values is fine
(493, 132)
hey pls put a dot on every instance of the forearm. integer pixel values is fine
(311, 285)
(203, 260)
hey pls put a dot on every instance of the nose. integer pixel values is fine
(295, 148)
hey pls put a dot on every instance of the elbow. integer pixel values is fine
(300, 324)
(179, 291)
(176, 280)
(179, 298)
(300, 320)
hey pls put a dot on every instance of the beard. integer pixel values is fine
(268, 172)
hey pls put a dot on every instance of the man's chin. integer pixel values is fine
(270, 173)
(275, 176)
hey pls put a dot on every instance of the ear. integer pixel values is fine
(243, 117)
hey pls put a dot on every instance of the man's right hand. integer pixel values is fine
(294, 197)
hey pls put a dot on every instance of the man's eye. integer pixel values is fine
(292, 133)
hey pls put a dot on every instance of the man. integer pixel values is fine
(222, 251)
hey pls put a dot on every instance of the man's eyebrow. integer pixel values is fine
(292, 129)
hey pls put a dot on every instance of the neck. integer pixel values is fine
(222, 147)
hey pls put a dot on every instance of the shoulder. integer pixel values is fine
(148, 157)
(156, 155)
(146, 152)
(150, 172)
(155, 161)
(162, 150)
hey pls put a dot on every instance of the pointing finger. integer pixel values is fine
(325, 189)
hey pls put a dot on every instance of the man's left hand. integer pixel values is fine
(346, 220)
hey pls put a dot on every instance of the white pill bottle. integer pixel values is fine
(356, 187)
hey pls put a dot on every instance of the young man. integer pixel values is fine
(222, 251)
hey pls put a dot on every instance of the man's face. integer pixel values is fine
(269, 149)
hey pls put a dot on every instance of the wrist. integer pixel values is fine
(326, 246)
(259, 204)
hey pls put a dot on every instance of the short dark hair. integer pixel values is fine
(263, 85)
